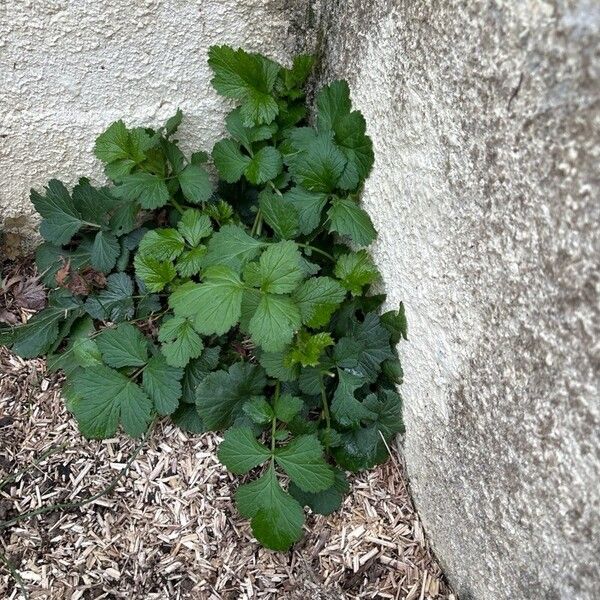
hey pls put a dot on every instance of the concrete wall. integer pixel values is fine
(486, 122)
(485, 117)
(68, 68)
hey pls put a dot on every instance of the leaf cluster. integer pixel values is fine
(243, 305)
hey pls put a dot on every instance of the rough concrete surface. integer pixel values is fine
(68, 68)
(486, 122)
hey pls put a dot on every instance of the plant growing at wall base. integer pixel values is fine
(243, 307)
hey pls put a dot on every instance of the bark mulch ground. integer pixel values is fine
(169, 529)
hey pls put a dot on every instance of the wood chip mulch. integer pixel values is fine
(170, 531)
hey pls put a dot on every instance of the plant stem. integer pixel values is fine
(325, 405)
(257, 223)
(274, 424)
(79, 503)
(318, 250)
(49, 452)
(177, 206)
(278, 192)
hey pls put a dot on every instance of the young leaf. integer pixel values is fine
(60, 218)
(302, 459)
(180, 341)
(220, 396)
(317, 298)
(154, 273)
(308, 348)
(274, 323)
(355, 270)
(239, 451)
(347, 218)
(162, 383)
(246, 77)
(104, 398)
(195, 184)
(215, 305)
(105, 251)
(118, 143)
(326, 501)
(162, 244)
(276, 518)
(113, 303)
(123, 346)
(259, 410)
(149, 190)
(231, 247)
(194, 226)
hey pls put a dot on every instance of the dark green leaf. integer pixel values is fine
(195, 184)
(239, 451)
(149, 190)
(114, 303)
(308, 205)
(162, 383)
(280, 216)
(327, 501)
(180, 341)
(396, 324)
(123, 346)
(286, 407)
(266, 164)
(259, 410)
(194, 226)
(162, 244)
(348, 219)
(231, 247)
(105, 251)
(346, 409)
(154, 273)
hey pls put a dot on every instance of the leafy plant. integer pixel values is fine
(244, 307)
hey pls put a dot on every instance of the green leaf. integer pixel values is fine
(105, 398)
(50, 258)
(123, 346)
(187, 418)
(308, 205)
(361, 448)
(190, 262)
(246, 77)
(301, 67)
(308, 348)
(318, 167)
(118, 169)
(259, 410)
(276, 365)
(302, 459)
(154, 273)
(247, 135)
(220, 396)
(93, 204)
(387, 406)
(327, 501)
(239, 451)
(274, 323)
(113, 303)
(215, 305)
(196, 371)
(317, 298)
(231, 247)
(349, 128)
(396, 324)
(228, 159)
(355, 270)
(81, 351)
(195, 184)
(162, 244)
(117, 142)
(60, 218)
(194, 226)
(162, 383)
(173, 123)
(180, 341)
(149, 190)
(372, 345)
(280, 268)
(266, 164)
(345, 408)
(276, 518)
(286, 407)
(347, 218)
(280, 216)
(42, 331)
(105, 251)
(124, 218)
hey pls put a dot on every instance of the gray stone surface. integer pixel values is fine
(486, 122)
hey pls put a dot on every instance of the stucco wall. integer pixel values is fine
(68, 68)
(486, 122)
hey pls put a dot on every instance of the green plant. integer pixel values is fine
(243, 308)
